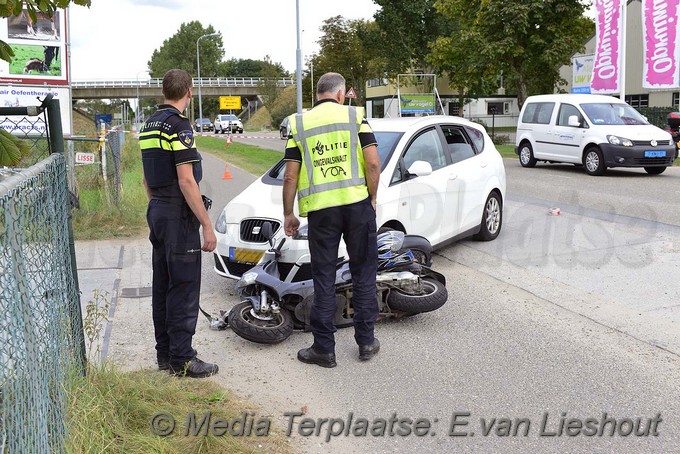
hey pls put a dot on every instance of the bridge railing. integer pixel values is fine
(204, 82)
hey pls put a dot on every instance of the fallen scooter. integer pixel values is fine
(272, 306)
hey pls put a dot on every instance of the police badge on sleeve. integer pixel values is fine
(187, 138)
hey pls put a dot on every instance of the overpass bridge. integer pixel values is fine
(151, 88)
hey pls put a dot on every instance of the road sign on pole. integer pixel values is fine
(351, 94)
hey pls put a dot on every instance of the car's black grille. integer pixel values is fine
(653, 161)
(248, 225)
(233, 268)
(647, 143)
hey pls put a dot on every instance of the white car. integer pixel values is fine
(228, 122)
(441, 178)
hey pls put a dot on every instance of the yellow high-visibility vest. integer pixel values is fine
(332, 170)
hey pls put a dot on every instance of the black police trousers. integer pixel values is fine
(356, 224)
(176, 284)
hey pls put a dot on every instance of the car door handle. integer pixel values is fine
(482, 163)
(453, 176)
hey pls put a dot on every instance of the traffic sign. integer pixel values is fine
(350, 93)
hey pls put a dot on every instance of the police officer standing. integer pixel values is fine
(334, 167)
(172, 171)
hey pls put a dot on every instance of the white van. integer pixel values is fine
(591, 130)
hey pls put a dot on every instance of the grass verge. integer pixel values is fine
(112, 411)
(255, 160)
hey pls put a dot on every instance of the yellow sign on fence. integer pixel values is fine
(230, 102)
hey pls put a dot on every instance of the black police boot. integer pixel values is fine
(163, 362)
(310, 356)
(194, 368)
(366, 352)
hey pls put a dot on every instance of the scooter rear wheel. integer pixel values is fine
(273, 330)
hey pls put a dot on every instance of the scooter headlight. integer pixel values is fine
(221, 223)
(249, 278)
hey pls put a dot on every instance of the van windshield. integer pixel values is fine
(612, 114)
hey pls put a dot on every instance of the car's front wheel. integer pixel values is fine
(492, 218)
(593, 161)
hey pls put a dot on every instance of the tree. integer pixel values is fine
(10, 8)
(346, 47)
(179, 51)
(528, 39)
(251, 68)
(408, 27)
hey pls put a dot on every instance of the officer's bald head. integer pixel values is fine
(329, 84)
(176, 84)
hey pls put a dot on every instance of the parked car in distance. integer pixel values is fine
(441, 178)
(284, 130)
(591, 130)
(228, 123)
(203, 124)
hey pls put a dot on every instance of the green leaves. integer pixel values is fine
(12, 149)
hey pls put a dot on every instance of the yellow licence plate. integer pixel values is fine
(251, 256)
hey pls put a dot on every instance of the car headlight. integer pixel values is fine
(616, 140)
(302, 233)
(221, 223)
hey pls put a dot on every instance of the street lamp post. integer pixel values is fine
(137, 110)
(198, 66)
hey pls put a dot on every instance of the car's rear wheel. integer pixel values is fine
(654, 170)
(593, 161)
(526, 155)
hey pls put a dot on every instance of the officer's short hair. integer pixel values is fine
(330, 83)
(176, 84)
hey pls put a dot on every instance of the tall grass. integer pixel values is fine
(111, 411)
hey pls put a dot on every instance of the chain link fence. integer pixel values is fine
(104, 171)
(41, 331)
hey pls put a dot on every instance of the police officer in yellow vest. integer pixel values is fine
(172, 171)
(333, 166)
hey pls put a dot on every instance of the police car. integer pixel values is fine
(441, 178)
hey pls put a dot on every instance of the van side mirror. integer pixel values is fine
(574, 121)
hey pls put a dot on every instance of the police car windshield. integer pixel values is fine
(612, 114)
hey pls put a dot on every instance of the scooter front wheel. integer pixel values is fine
(270, 329)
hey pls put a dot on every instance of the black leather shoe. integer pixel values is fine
(195, 368)
(163, 363)
(310, 356)
(366, 352)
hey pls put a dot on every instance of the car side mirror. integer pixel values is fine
(574, 121)
(420, 168)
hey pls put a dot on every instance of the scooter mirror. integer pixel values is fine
(267, 232)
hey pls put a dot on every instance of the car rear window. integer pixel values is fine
(538, 112)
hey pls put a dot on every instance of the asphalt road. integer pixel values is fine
(569, 316)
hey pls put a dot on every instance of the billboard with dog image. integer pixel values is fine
(39, 48)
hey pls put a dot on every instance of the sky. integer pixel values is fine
(114, 39)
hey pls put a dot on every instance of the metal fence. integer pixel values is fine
(104, 172)
(41, 336)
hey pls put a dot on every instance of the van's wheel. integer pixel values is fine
(492, 218)
(654, 170)
(526, 155)
(432, 295)
(594, 162)
(271, 329)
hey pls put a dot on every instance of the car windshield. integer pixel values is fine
(387, 141)
(232, 117)
(205, 121)
(612, 114)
